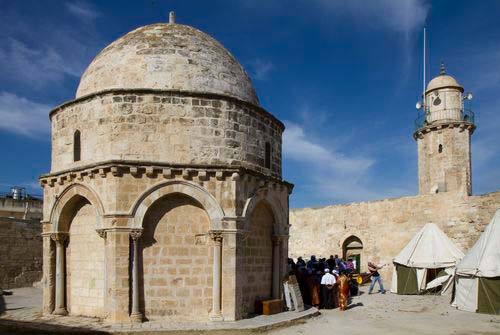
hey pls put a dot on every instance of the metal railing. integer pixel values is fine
(427, 118)
(26, 196)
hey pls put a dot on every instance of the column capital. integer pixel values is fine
(216, 236)
(59, 237)
(135, 233)
(277, 239)
(101, 232)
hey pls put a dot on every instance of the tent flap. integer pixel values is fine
(466, 294)
(488, 299)
(407, 280)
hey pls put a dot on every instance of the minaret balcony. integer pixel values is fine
(433, 117)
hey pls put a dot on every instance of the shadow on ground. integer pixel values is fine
(10, 327)
(25, 327)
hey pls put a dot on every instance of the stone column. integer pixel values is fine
(135, 315)
(216, 314)
(276, 266)
(60, 301)
(48, 280)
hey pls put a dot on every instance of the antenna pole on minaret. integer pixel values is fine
(423, 90)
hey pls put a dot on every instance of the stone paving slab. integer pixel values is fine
(22, 314)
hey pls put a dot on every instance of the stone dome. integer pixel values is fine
(443, 81)
(168, 56)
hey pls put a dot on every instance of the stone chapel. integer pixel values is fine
(165, 199)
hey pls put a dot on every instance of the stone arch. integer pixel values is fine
(263, 195)
(76, 214)
(352, 246)
(69, 201)
(198, 193)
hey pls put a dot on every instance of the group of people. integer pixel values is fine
(326, 283)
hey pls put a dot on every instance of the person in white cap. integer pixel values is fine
(327, 288)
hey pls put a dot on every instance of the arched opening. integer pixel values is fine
(85, 254)
(352, 248)
(77, 148)
(258, 258)
(177, 262)
(440, 148)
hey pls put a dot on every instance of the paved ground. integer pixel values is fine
(21, 313)
(375, 314)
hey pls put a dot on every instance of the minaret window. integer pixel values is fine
(267, 160)
(440, 148)
(76, 146)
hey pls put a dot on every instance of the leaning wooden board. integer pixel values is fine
(292, 286)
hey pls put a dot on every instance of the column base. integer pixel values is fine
(60, 311)
(216, 317)
(136, 317)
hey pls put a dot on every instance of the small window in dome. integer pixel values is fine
(267, 160)
(76, 146)
(440, 148)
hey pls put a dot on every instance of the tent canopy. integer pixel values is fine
(429, 248)
(483, 259)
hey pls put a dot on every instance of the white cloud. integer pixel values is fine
(22, 116)
(37, 65)
(38, 52)
(260, 69)
(328, 173)
(82, 10)
(298, 147)
(404, 16)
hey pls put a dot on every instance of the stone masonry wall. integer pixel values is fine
(177, 261)
(20, 252)
(165, 127)
(85, 266)
(451, 167)
(386, 226)
(258, 258)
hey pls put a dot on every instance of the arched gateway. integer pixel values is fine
(170, 203)
(353, 248)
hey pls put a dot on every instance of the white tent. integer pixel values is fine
(477, 284)
(429, 249)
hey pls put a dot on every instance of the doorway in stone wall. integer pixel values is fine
(353, 248)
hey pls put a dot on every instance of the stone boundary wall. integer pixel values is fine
(20, 252)
(386, 226)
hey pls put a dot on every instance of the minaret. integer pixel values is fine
(443, 131)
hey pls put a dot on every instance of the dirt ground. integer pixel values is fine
(397, 314)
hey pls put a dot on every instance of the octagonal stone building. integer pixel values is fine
(165, 199)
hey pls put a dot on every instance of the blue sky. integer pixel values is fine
(344, 77)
